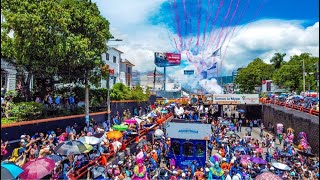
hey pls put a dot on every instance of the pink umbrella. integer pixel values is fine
(245, 157)
(130, 121)
(267, 176)
(37, 169)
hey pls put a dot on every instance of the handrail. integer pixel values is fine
(291, 106)
(83, 170)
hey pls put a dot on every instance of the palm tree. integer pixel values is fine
(277, 60)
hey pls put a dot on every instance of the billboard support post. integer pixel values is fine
(164, 78)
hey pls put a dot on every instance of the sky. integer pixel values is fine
(254, 29)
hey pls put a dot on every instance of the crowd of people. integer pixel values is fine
(231, 155)
(308, 102)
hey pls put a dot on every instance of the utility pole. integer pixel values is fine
(154, 80)
(304, 77)
(108, 100)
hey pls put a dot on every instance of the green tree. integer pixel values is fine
(120, 92)
(277, 60)
(250, 77)
(138, 94)
(37, 28)
(290, 75)
(64, 38)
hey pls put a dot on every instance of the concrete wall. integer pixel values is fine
(297, 120)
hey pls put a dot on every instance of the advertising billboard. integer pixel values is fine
(167, 59)
(235, 99)
(188, 131)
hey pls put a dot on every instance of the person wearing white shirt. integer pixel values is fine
(227, 175)
(236, 177)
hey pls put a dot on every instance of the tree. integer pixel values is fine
(277, 60)
(120, 92)
(250, 77)
(37, 28)
(64, 38)
(290, 75)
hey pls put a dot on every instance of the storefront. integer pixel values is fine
(188, 142)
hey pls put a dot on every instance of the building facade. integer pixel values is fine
(112, 58)
(126, 72)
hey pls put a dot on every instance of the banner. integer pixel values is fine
(190, 131)
(235, 99)
(167, 59)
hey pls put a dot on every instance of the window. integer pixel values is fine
(114, 59)
(129, 70)
(200, 150)
(176, 148)
(107, 56)
(187, 149)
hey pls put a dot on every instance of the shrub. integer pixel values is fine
(26, 110)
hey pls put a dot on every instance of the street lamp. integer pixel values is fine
(108, 87)
(304, 77)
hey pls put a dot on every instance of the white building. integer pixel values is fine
(126, 72)
(112, 58)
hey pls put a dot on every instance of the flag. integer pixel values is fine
(216, 52)
(214, 66)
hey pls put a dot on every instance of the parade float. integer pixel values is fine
(303, 143)
(290, 136)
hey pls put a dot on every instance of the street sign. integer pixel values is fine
(188, 72)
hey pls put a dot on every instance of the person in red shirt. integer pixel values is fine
(199, 174)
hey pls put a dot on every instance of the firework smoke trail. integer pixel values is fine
(214, 20)
(177, 23)
(222, 28)
(233, 15)
(199, 20)
(234, 28)
(186, 17)
(258, 11)
(207, 22)
(255, 16)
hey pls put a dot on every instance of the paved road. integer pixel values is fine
(256, 135)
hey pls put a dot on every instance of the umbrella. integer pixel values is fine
(10, 171)
(120, 127)
(281, 166)
(101, 136)
(158, 133)
(70, 147)
(138, 120)
(89, 148)
(37, 169)
(98, 171)
(89, 140)
(114, 135)
(225, 123)
(306, 154)
(267, 176)
(164, 111)
(241, 111)
(239, 148)
(148, 125)
(258, 160)
(245, 156)
(55, 157)
(130, 121)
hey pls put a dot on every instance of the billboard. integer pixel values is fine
(166, 59)
(188, 131)
(188, 72)
(235, 99)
